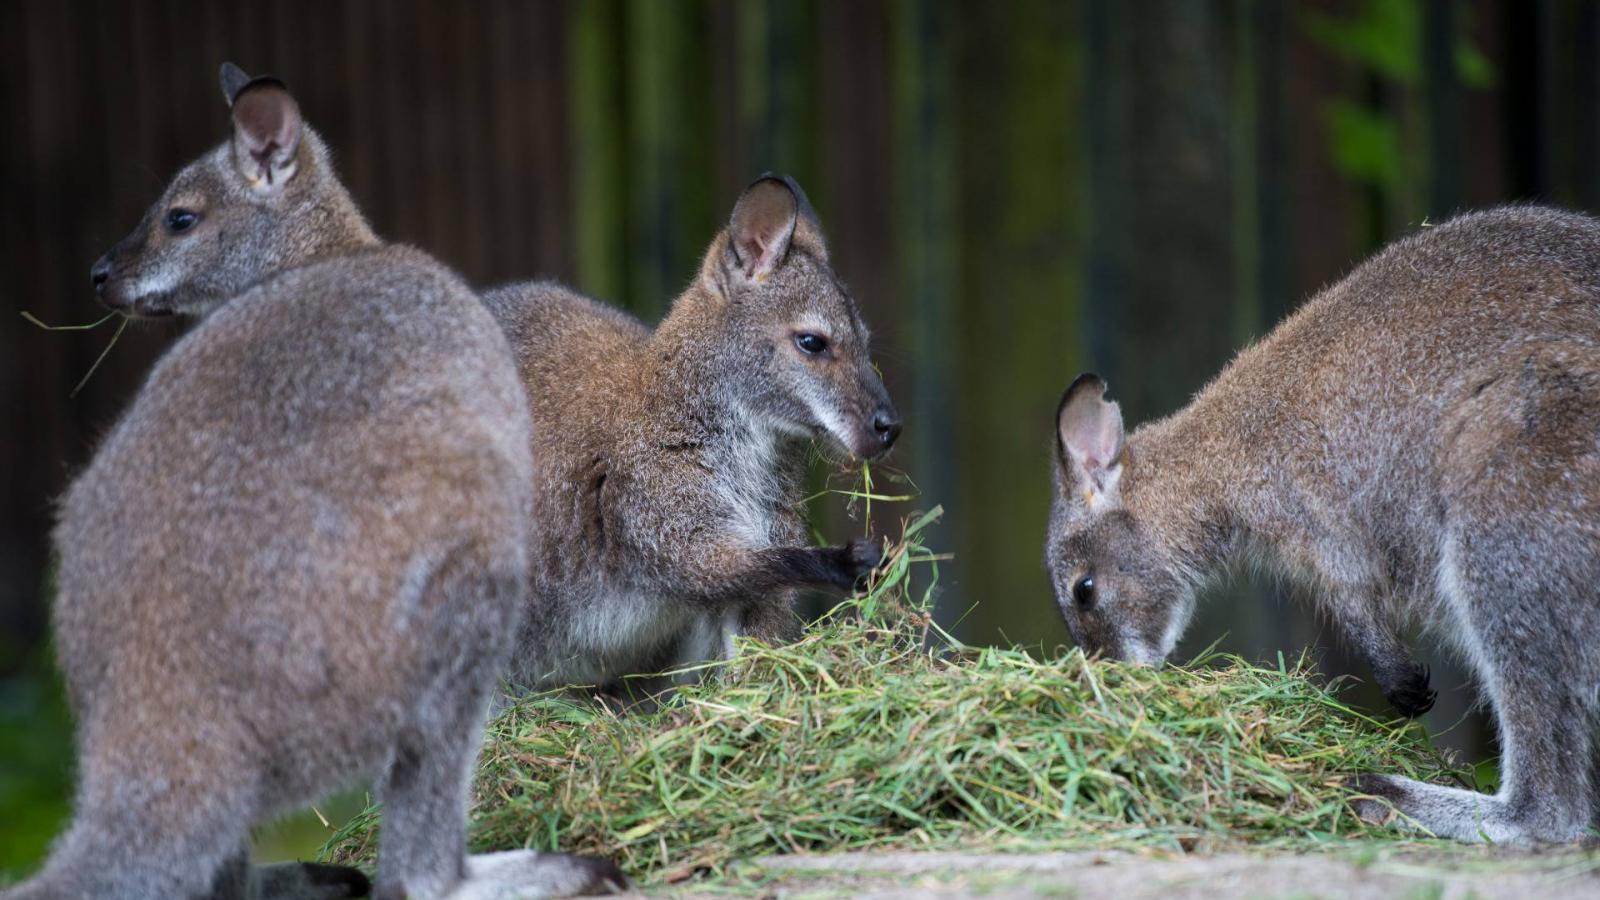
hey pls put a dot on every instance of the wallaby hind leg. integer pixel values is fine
(146, 827)
(425, 811)
(1529, 649)
(422, 850)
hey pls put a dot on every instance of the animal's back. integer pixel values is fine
(577, 355)
(278, 497)
(1366, 370)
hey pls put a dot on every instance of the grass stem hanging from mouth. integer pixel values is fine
(121, 327)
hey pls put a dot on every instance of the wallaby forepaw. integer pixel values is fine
(527, 874)
(862, 556)
(1410, 694)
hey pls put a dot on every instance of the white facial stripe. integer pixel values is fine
(829, 418)
(1176, 626)
(160, 281)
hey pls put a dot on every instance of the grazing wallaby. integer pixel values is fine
(300, 556)
(668, 462)
(1420, 442)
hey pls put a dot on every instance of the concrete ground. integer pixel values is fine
(1119, 875)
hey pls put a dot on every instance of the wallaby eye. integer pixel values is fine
(180, 220)
(810, 343)
(1083, 592)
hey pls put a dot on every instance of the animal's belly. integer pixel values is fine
(611, 633)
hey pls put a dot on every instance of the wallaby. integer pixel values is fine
(669, 462)
(299, 557)
(1420, 443)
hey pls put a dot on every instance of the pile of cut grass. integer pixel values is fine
(877, 730)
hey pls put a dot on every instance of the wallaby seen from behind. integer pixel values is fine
(669, 461)
(1420, 443)
(299, 557)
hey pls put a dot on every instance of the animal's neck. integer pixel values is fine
(340, 229)
(689, 379)
(1192, 480)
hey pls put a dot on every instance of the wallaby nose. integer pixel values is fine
(887, 425)
(100, 271)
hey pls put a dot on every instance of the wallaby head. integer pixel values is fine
(264, 200)
(1118, 574)
(792, 339)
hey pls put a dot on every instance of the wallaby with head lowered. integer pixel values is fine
(669, 462)
(1419, 443)
(299, 557)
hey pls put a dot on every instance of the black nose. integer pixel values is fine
(887, 425)
(100, 271)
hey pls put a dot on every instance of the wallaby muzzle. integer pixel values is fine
(110, 282)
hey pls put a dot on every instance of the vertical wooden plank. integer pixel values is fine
(669, 125)
(776, 87)
(548, 164)
(926, 226)
(1442, 97)
(601, 179)
(1271, 175)
(1526, 87)
(724, 23)
(1018, 310)
(1584, 106)
(1245, 154)
(22, 544)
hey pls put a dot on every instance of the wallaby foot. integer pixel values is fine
(1406, 687)
(1455, 813)
(310, 881)
(527, 874)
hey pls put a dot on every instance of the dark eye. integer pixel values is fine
(810, 343)
(1083, 592)
(181, 220)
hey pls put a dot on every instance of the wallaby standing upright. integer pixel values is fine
(1419, 442)
(301, 554)
(668, 462)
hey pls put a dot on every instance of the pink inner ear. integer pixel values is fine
(756, 250)
(267, 123)
(1092, 433)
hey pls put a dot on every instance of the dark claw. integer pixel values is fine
(1411, 695)
(859, 559)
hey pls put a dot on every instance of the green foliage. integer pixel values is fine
(1385, 36)
(877, 730)
(1366, 144)
(35, 765)
(1385, 39)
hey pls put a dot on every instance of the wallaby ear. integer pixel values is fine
(762, 226)
(266, 128)
(233, 81)
(1089, 436)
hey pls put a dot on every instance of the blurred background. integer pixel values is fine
(1016, 191)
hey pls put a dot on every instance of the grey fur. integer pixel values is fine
(1419, 442)
(669, 462)
(299, 557)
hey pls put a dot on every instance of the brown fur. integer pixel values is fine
(1421, 440)
(299, 557)
(669, 462)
